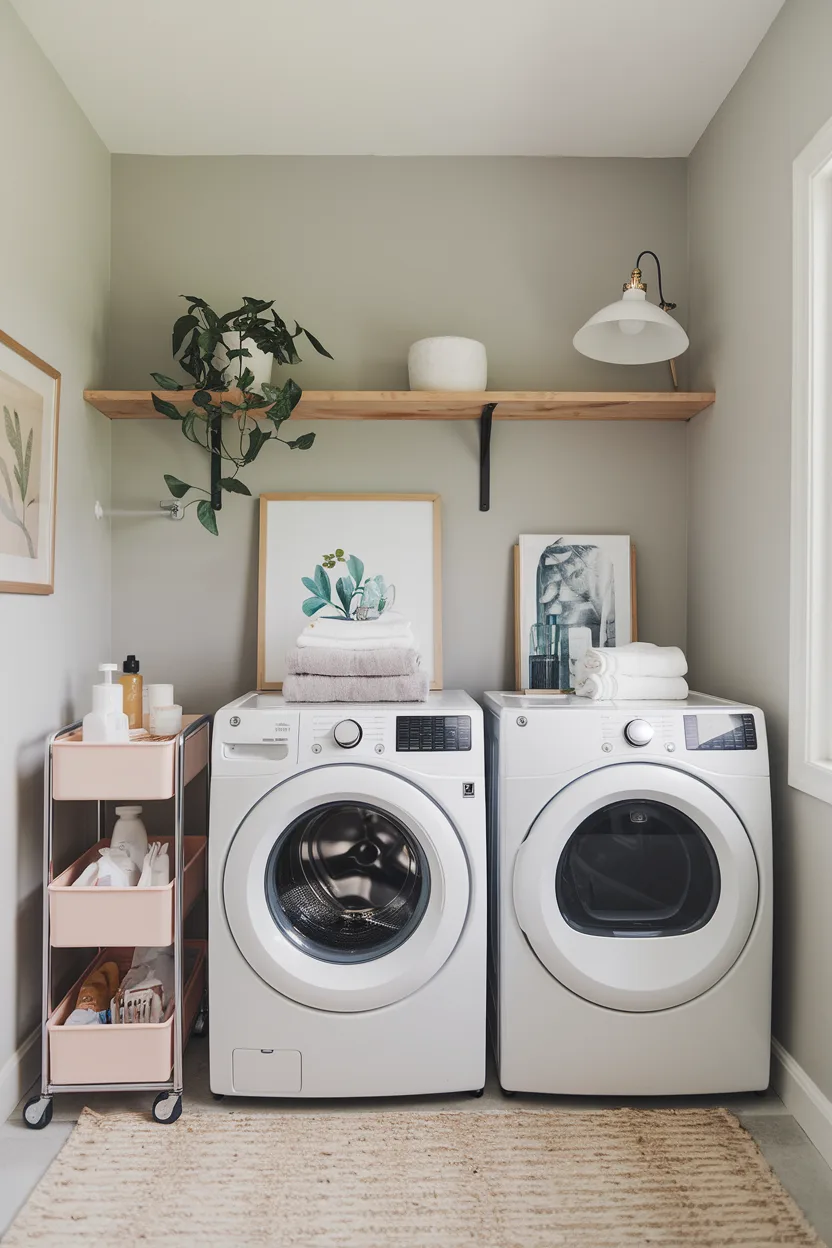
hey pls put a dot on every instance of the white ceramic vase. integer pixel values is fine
(260, 363)
(447, 364)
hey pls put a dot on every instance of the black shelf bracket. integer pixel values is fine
(486, 417)
(216, 462)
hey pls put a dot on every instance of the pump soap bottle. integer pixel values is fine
(106, 723)
(131, 683)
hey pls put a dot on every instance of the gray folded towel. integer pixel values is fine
(323, 661)
(413, 688)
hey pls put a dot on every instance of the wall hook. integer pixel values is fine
(172, 509)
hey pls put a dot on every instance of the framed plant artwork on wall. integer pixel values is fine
(29, 402)
(572, 592)
(347, 557)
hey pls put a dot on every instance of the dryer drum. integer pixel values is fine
(347, 882)
(638, 868)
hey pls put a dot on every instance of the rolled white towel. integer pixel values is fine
(405, 642)
(639, 658)
(633, 688)
(391, 624)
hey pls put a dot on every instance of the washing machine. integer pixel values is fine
(631, 906)
(347, 898)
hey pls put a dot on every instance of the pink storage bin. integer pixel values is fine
(142, 770)
(83, 918)
(119, 1052)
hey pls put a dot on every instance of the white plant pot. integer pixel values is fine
(260, 363)
(447, 364)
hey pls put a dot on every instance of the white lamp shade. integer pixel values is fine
(631, 331)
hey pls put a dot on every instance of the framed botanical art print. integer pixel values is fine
(572, 592)
(337, 557)
(29, 401)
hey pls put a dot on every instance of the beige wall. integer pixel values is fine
(54, 227)
(373, 254)
(740, 260)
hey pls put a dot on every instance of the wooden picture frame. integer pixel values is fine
(277, 631)
(519, 683)
(30, 398)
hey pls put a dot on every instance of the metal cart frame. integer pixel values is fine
(167, 1106)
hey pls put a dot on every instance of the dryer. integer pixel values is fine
(630, 862)
(347, 898)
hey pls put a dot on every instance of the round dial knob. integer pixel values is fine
(347, 734)
(639, 732)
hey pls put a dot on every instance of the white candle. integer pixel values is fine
(165, 721)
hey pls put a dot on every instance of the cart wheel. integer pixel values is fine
(167, 1108)
(37, 1113)
(200, 1027)
(477, 1093)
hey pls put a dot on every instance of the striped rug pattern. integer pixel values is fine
(619, 1178)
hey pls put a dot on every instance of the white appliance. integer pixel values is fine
(631, 916)
(347, 902)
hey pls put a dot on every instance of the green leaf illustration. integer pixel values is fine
(324, 583)
(207, 516)
(4, 470)
(345, 588)
(311, 585)
(356, 568)
(310, 605)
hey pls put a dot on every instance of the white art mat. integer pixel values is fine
(28, 433)
(397, 538)
(583, 579)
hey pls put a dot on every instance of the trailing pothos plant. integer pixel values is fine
(231, 429)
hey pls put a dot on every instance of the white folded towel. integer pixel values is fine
(405, 642)
(640, 658)
(633, 688)
(391, 624)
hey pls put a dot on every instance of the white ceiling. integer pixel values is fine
(400, 77)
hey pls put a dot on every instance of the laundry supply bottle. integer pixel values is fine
(130, 834)
(106, 723)
(131, 683)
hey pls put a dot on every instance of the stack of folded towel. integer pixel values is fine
(638, 672)
(356, 661)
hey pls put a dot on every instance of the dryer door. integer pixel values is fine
(346, 888)
(637, 887)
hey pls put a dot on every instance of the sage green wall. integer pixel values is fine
(373, 254)
(741, 256)
(54, 226)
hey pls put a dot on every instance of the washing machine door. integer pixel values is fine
(346, 888)
(637, 887)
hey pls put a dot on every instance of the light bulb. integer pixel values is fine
(631, 327)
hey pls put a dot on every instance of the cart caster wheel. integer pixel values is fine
(37, 1113)
(167, 1108)
(477, 1093)
(200, 1027)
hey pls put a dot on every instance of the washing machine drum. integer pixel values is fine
(346, 888)
(637, 887)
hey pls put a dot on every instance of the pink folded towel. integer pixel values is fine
(312, 661)
(413, 688)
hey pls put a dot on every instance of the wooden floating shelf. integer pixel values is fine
(453, 405)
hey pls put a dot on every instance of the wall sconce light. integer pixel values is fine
(633, 331)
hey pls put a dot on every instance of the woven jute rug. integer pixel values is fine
(530, 1179)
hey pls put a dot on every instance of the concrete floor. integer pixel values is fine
(25, 1155)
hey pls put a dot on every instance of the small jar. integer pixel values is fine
(165, 721)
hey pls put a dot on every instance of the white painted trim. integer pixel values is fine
(810, 721)
(803, 1099)
(19, 1073)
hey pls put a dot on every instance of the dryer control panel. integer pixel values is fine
(432, 733)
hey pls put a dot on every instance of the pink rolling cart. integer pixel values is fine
(137, 1056)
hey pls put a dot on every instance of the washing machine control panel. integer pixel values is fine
(720, 731)
(432, 733)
